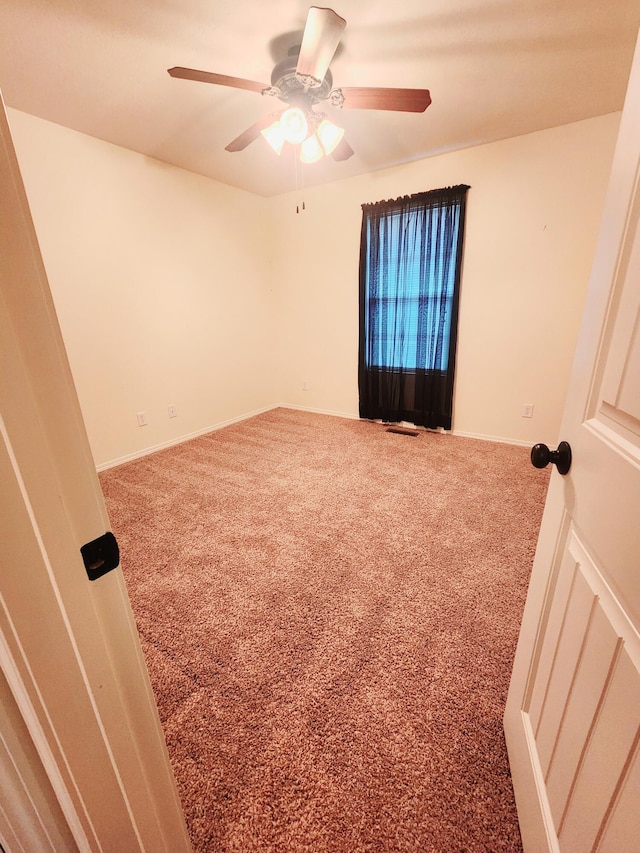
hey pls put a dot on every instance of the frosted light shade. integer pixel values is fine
(294, 125)
(274, 136)
(311, 150)
(330, 135)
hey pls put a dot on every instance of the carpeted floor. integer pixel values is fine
(329, 613)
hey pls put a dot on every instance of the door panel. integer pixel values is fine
(572, 720)
(584, 700)
(610, 744)
(620, 832)
(551, 687)
(597, 655)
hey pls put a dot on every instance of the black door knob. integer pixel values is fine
(561, 458)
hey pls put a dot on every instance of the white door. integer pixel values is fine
(572, 720)
(83, 764)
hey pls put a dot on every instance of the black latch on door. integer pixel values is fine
(100, 556)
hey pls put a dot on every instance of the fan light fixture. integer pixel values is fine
(311, 150)
(274, 136)
(295, 127)
(315, 134)
(302, 80)
(330, 135)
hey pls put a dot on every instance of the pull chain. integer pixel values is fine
(299, 169)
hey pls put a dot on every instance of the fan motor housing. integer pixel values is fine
(284, 78)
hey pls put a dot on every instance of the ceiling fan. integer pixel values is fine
(303, 81)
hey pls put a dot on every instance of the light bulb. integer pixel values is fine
(330, 135)
(274, 136)
(294, 125)
(311, 150)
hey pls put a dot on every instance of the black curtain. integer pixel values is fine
(410, 263)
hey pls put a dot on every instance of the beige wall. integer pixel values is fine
(158, 277)
(532, 219)
(171, 288)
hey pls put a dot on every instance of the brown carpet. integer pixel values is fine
(329, 613)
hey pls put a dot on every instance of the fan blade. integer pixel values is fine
(342, 151)
(403, 100)
(319, 42)
(220, 79)
(252, 133)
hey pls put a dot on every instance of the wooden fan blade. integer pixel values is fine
(319, 42)
(220, 79)
(342, 151)
(252, 133)
(403, 100)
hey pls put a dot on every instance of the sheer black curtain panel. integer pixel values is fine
(410, 266)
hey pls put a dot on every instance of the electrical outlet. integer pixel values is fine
(527, 410)
(305, 384)
(142, 418)
(171, 409)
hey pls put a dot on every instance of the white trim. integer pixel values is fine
(497, 439)
(41, 742)
(438, 431)
(313, 411)
(147, 451)
(18, 792)
(17, 686)
(551, 837)
(15, 843)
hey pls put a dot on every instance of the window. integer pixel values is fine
(410, 260)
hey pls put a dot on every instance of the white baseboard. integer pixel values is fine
(313, 411)
(113, 463)
(440, 431)
(480, 437)
(495, 438)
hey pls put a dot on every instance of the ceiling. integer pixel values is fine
(495, 69)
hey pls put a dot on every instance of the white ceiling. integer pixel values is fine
(495, 69)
